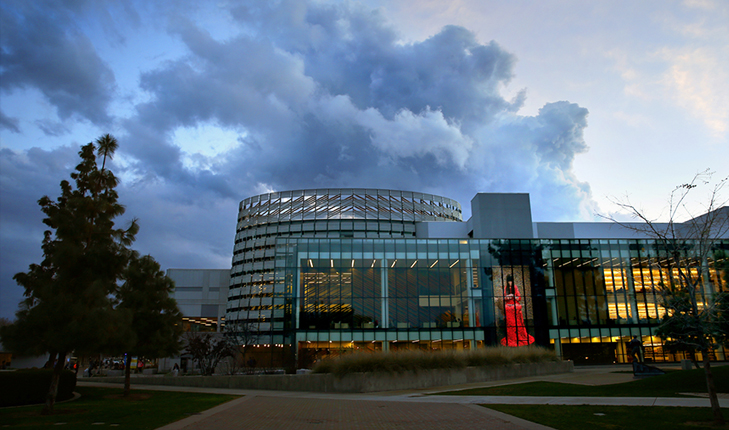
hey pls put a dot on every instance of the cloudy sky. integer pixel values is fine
(574, 102)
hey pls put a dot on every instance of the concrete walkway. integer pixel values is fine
(400, 410)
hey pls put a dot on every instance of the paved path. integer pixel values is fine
(401, 409)
(262, 412)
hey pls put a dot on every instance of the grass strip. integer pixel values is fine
(668, 385)
(143, 410)
(582, 417)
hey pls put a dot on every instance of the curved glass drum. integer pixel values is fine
(254, 304)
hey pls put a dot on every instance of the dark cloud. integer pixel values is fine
(561, 125)
(51, 128)
(313, 95)
(327, 95)
(326, 91)
(25, 177)
(41, 48)
(8, 123)
(536, 154)
(180, 225)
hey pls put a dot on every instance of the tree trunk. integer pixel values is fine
(127, 375)
(53, 389)
(715, 408)
(692, 357)
(51, 360)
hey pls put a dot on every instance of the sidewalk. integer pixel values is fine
(401, 409)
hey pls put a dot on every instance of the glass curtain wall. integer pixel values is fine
(584, 298)
(382, 294)
(411, 294)
(604, 292)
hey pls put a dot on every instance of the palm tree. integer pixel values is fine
(107, 146)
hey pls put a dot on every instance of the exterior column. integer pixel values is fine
(706, 283)
(630, 283)
(297, 295)
(550, 292)
(471, 300)
(385, 320)
(558, 347)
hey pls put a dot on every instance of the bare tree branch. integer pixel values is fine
(695, 315)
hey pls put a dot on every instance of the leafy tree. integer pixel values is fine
(696, 311)
(155, 323)
(208, 349)
(70, 296)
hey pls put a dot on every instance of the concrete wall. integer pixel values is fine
(441, 230)
(590, 230)
(201, 292)
(359, 382)
(501, 216)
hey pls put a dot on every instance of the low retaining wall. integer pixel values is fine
(358, 382)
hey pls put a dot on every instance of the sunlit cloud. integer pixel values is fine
(699, 82)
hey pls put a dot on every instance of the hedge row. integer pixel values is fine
(30, 386)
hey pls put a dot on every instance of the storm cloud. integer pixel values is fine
(42, 50)
(327, 95)
(310, 95)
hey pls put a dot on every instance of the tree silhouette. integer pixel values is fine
(107, 145)
(155, 322)
(74, 299)
(696, 311)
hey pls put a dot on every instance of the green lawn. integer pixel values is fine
(668, 385)
(613, 417)
(145, 410)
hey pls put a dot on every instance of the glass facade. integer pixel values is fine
(329, 271)
(254, 299)
(602, 292)
(586, 298)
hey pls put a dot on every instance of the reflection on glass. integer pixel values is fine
(513, 303)
(516, 334)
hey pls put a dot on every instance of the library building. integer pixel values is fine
(325, 272)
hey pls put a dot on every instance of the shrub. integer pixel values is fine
(403, 361)
(28, 387)
(506, 355)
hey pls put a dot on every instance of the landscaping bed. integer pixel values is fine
(364, 382)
